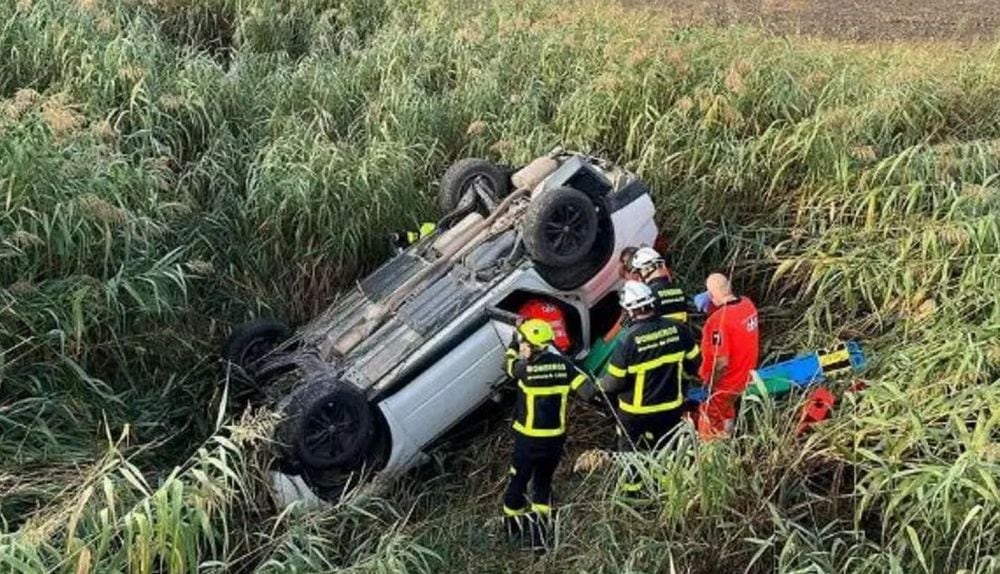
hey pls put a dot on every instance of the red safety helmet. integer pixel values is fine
(551, 314)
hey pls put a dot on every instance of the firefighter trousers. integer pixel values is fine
(643, 433)
(534, 462)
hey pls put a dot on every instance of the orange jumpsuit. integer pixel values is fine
(731, 331)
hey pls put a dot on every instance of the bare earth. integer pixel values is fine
(859, 20)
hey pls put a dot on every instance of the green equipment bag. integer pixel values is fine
(599, 355)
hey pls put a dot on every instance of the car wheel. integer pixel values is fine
(560, 227)
(330, 484)
(465, 175)
(250, 342)
(327, 425)
(567, 278)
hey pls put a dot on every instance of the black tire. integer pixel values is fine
(252, 341)
(462, 174)
(568, 278)
(287, 429)
(560, 227)
(327, 425)
(330, 484)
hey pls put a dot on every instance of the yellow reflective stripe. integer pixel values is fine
(640, 387)
(508, 511)
(616, 371)
(427, 228)
(578, 382)
(511, 355)
(550, 390)
(637, 406)
(694, 352)
(541, 508)
(538, 433)
(658, 362)
(640, 370)
(528, 428)
(529, 419)
(681, 316)
(834, 357)
(562, 413)
(840, 357)
(647, 409)
(835, 362)
(513, 471)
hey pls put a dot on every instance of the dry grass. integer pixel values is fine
(188, 164)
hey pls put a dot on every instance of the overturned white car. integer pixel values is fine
(382, 376)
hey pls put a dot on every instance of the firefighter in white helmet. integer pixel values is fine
(670, 298)
(646, 373)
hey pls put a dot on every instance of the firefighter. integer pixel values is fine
(646, 373)
(403, 239)
(671, 300)
(625, 269)
(730, 341)
(544, 379)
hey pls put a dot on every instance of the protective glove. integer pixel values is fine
(702, 301)
(515, 340)
(697, 395)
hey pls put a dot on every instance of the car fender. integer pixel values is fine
(442, 395)
(288, 489)
(634, 226)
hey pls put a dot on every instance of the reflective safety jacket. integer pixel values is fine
(671, 302)
(648, 364)
(404, 239)
(543, 383)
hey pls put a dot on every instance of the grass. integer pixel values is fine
(170, 167)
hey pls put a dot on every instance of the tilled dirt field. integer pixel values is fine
(860, 20)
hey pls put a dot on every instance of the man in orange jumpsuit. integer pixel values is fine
(730, 346)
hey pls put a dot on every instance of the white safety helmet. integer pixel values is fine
(646, 259)
(636, 295)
